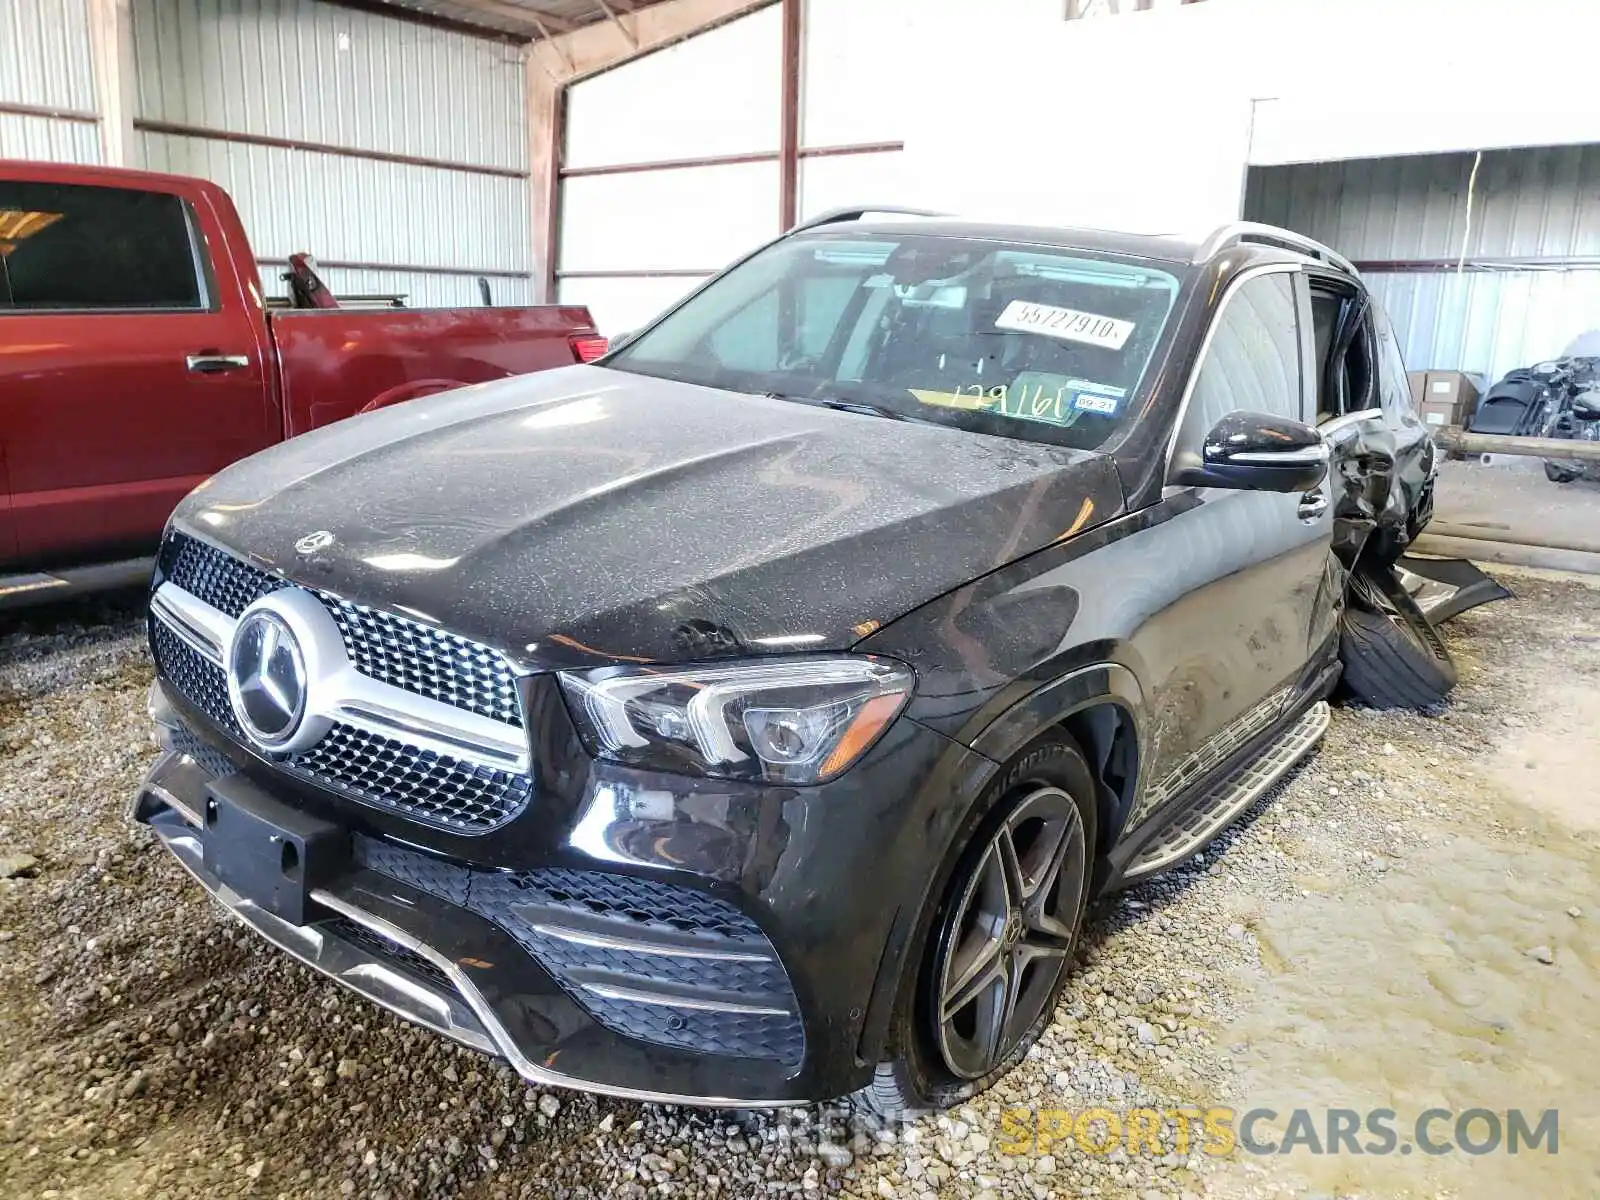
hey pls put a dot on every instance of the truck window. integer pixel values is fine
(72, 248)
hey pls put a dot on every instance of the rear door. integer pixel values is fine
(128, 375)
(1380, 450)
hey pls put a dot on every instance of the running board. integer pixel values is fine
(1232, 794)
(41, 587)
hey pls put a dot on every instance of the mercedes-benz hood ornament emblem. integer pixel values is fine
(313, 543)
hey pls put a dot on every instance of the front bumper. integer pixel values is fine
(668, 943)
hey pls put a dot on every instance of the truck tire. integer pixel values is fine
(1393, 656)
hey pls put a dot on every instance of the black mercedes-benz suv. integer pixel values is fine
(749, 718)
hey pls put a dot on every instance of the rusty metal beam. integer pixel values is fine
(205, 133)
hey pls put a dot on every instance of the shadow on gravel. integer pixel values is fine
(31, 633)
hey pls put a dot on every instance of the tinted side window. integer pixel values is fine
(1253, 362)
(67, 246)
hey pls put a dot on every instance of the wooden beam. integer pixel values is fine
(548, 37)
(527, 16)
(546, 103)
(1452, 438)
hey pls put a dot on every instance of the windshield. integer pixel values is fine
(994, 337)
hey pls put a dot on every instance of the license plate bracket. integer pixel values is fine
(267, 851)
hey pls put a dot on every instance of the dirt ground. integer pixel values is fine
(1410, 921)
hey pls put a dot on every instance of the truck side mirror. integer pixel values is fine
(1252, 451)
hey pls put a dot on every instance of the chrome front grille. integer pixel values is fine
(427, 786)
(456, 759)
(427, 662)
(200, 680)
(402, 653)
(206, 573)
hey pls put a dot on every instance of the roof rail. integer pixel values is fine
(855, 212)
(1253, 232)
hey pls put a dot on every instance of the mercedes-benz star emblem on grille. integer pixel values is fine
(314, 542)
(267, 679)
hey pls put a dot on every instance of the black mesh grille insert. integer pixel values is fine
(403, 957)
(212, 761)
(716, 951)
(222, 581)
(196, 677)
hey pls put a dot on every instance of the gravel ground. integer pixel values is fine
(149, 1047)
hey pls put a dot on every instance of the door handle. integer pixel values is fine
(214, 364)
(1312, 506)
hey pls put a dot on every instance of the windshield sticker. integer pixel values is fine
(1032, 396)
(1023, 316)
(1091, 402)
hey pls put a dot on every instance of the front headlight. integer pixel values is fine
(786, 721)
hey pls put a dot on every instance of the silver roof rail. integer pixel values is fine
(1253, 232)
(855, 212)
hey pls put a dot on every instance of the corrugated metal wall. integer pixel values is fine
(1530, 203)
(45, 63)
(310, 73)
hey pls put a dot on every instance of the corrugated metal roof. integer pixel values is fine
(523, 18)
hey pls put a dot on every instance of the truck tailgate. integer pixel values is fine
(334, 363)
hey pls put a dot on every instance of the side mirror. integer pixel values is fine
(1251, 451)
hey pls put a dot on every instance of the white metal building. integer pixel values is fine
(615, 152)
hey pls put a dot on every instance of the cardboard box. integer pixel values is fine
(1448, 398)
(1419, 387)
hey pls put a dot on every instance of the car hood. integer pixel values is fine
(587, 515)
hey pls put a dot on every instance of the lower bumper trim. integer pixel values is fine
(459, 1011)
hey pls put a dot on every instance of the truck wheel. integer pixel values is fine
(1000, 944)
(1393, 656)
(1558, 474)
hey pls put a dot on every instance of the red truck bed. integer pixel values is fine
(140, 358)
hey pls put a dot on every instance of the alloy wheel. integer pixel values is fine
(1008, 937)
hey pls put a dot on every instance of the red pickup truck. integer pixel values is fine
(138, 356)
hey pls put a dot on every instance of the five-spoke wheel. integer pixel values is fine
(1003, 948)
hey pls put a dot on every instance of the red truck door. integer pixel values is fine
(133, 356)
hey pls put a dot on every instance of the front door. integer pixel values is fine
(1245, 575)
(129, 374)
